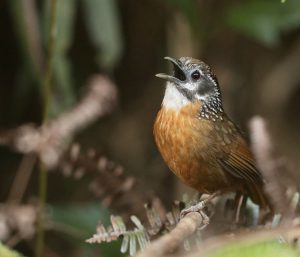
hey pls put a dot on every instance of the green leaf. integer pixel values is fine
(28, 39)
(142, 241)
(137, 222)
(79, 220)
(264, 21)
(6, 252)
(265, 249)
(63, 95)
(132, 244)
(125, 243)
(102, 19)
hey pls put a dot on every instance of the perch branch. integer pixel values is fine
(49, 140)
(186, 227)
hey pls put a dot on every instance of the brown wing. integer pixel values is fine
(235, 156)
(236, 159)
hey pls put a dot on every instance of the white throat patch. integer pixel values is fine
(173, 98)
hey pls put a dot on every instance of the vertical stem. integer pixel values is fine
(49, 62)
(39, 247)
(47, 82)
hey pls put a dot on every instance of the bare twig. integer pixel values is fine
(124, 194)
(22, 178)
(49, 140)
(268, 164)
(186, 227)
(17, 220)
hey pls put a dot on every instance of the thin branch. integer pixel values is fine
(122, 193)
(186, 227)
(17, 220)
(50, 140)
(21, 179)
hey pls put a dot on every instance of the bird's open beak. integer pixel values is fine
(178, 75)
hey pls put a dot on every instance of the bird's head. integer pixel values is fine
(192, 80)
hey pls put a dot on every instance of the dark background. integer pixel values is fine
(252, 46)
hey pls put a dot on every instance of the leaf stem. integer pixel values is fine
(46, 89)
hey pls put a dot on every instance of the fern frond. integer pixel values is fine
(132, 239)
(139, 236)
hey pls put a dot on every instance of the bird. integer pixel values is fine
(198, 141)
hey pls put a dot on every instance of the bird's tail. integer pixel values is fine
(259, 197)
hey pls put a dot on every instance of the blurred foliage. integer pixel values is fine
(6, 252)
(77, 222)
(30, 71)
(80, 218)
(64, 90)
(266, 249)
(265, 21)
(103, 23)
(104, 31)
(189, 9)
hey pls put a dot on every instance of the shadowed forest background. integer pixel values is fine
(252, 46)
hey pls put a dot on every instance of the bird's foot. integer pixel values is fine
(197, 207)
(194, 208)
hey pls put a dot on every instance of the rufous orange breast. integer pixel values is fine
(186, 144)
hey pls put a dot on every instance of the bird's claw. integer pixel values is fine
(194, 208)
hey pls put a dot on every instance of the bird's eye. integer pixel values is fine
(196, 75)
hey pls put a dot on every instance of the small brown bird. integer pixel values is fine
(197, 140)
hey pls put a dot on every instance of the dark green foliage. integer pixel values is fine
(265, 21)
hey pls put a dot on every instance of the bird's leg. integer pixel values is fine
(238, 201)
(199, 206)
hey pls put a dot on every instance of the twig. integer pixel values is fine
(50, 140)
(124, 194)
(21, 180)
(186, 227)
(17, 220)
(268, 164)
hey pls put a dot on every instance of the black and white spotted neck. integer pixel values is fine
(212, 108)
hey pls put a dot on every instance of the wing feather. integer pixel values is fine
(236, 157)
